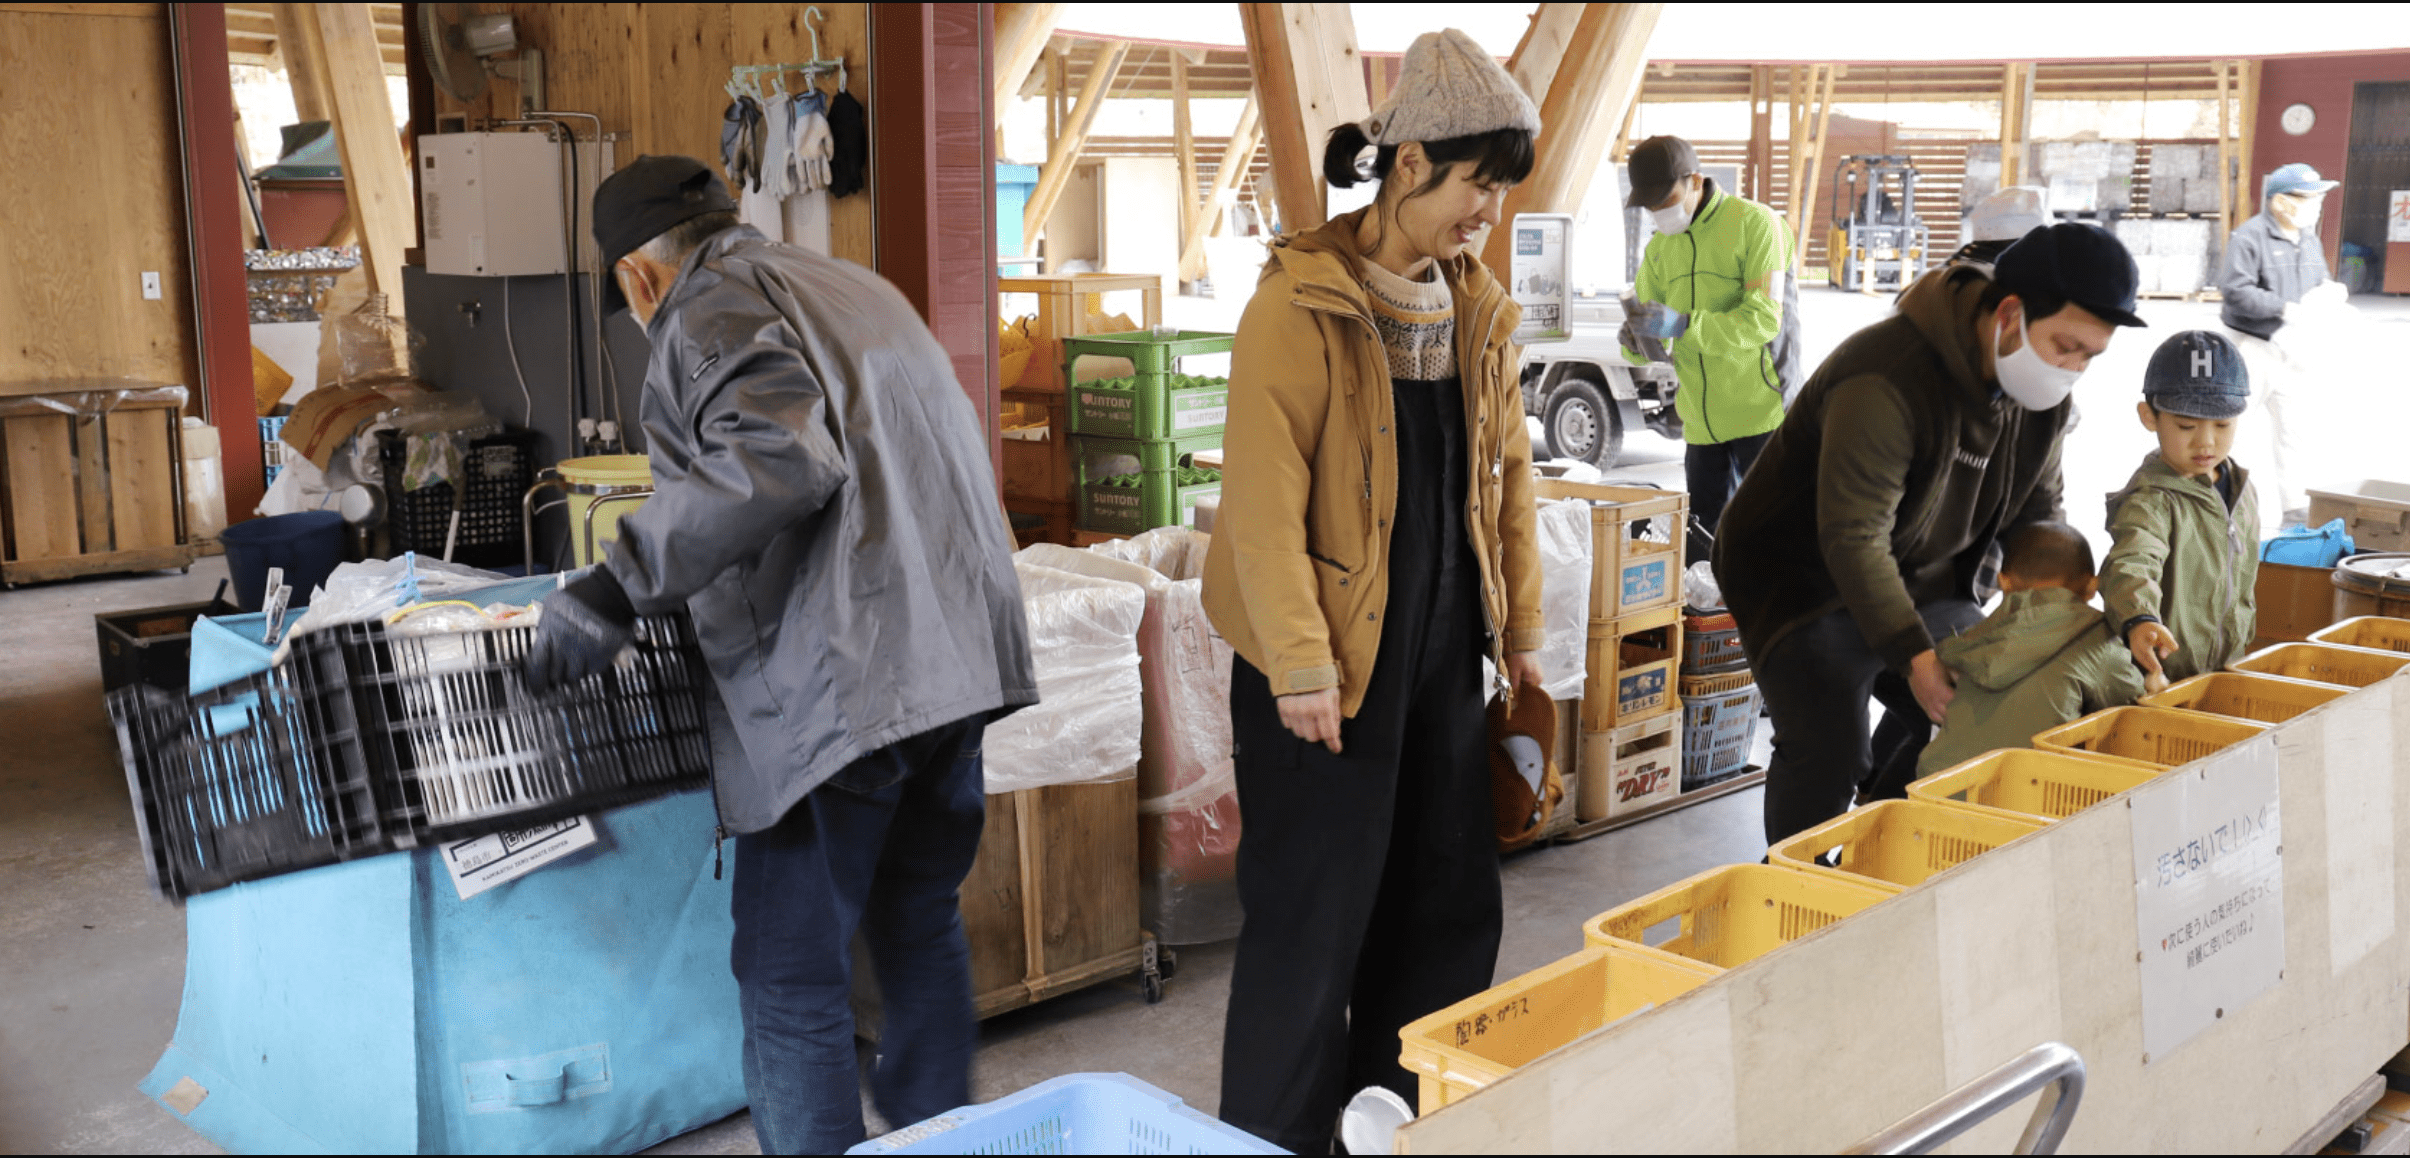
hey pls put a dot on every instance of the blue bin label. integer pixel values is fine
(1640, 690)
(1647, 580)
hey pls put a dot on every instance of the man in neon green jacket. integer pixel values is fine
(1714, 297)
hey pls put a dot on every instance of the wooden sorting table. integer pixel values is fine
(1038, 474)
(91, 478)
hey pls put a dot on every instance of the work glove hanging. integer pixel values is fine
(584, 628)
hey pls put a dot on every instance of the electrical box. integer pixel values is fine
(494, 203)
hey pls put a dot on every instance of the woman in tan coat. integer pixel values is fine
(1375, 543)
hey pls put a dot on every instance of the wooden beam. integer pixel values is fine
(305, 68)
(1536, 57)
(1309, 79)
(1238, 156)
(2016, 119)
(1021, 34)
(1184, 144)
(1812, 105)
(376, 184)
(1589, 94)
(2246, 178)
(1063, 153)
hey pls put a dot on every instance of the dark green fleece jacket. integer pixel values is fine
(2040, 660)
(1897, 468)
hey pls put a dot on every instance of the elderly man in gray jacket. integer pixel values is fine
(824, 506)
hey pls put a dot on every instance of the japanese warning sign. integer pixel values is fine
(2208, 893)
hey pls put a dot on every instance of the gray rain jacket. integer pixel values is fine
(825, 508)
(2264, 272)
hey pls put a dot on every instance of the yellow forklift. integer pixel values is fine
(1882, 245)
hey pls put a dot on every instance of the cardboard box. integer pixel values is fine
(2293, 602)
(2375, 513)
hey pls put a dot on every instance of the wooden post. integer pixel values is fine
(221, 315)
(376, 184)
(2246, 178)
(1807, 147)
(1237, 157)
(1021, 34)
(1761, 134)
(305, 69)
(2225, 155)
(1184, 144)
(1542, 49)
(1310, 79)
(1596, 82)
(2016, 118)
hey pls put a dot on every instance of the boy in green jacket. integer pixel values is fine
(2044, 657)
(2185, 557)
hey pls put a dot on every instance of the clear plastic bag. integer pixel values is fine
(1188, 816)
(370, 344)
(1083, 636)
(1564, 541)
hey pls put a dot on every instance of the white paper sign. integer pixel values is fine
(481, 863)
(2208, 893)
(2397, 217)
(1543, 283)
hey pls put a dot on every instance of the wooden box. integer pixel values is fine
(1630, 666)
(1631, 768)
(1063, 314)
(1636, 537)
(2293, 602)
(1051, 905)
(91, 479)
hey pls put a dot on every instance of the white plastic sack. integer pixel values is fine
(1083, 637)
(1564, 537)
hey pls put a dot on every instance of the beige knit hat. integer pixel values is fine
(1450, 88)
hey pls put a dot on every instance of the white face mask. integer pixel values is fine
(2031, 382)
(1673, 219)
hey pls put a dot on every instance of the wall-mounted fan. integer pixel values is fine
(461, 46)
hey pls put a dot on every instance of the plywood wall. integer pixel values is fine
(93, 194)
(657, 71)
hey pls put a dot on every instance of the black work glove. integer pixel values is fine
(585, 627)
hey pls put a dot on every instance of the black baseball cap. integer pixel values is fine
(2080, 263)
(2197, 374)
(1655, 165)
(644, 201)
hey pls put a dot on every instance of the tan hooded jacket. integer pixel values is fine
(1297, 576)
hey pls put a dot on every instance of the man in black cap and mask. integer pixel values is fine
(824, 506)
(1857, 540)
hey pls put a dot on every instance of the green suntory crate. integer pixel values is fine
(1150, 406)
(1147, 353)
(1132, 485)
(1130, 503)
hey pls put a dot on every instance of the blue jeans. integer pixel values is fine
(882, 848)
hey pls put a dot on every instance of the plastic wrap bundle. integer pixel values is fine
(1083, 635)
(1188, 819)
(1564, 535)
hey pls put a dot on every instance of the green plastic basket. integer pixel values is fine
(1106, 468)
(1150, 406)
(1147, 353)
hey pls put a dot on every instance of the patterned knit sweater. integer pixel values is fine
(1417, 323)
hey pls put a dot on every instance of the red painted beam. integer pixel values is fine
(220, 285)
(934, 162)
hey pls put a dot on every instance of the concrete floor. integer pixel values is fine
(93, 962)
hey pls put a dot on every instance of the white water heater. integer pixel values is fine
(493, 203)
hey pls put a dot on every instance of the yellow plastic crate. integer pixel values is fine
(2158, 738)
(2025, 784)
(1487, 1036)
(2374, 632)
(2242, 695)
(2347, 667)
(1896, 844)
(1732, 915)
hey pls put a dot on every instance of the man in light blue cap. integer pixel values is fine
(2275, 267)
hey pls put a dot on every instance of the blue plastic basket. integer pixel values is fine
(1073, 1114)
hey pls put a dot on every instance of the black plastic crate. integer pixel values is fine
(151, 646)
(495, 471)
(461, 747)
(231, 786)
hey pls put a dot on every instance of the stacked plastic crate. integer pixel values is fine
(1719, 700)
(1134, 438)
(1631, 745)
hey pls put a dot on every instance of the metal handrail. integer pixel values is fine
(2051, 1067)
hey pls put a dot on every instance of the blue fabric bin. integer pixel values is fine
(364, 1007)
